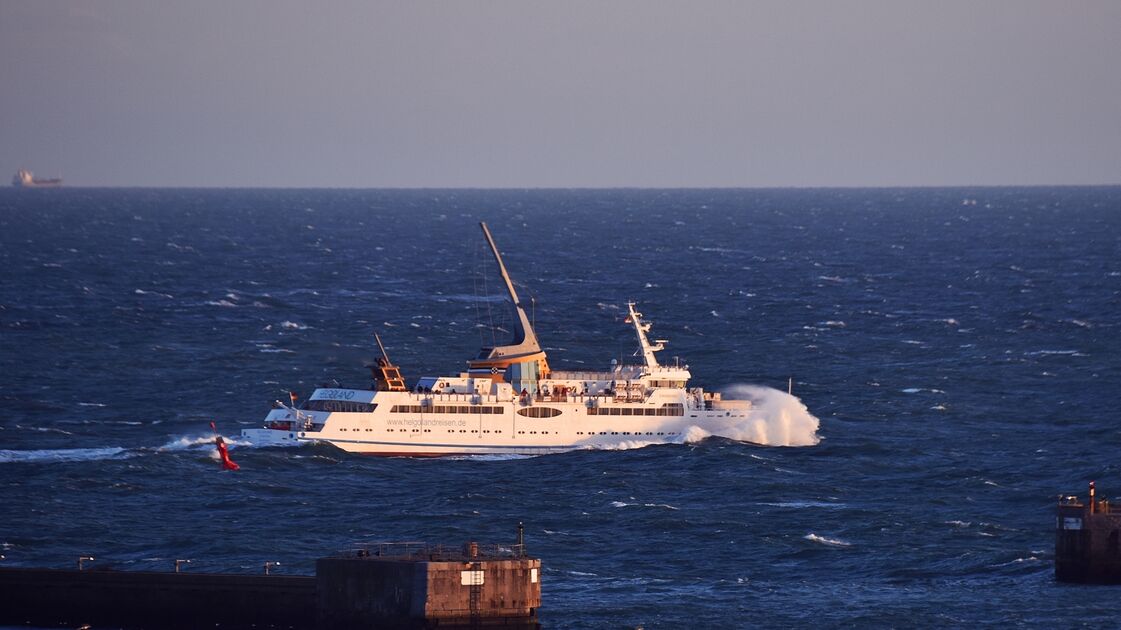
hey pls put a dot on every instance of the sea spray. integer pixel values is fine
(776, 419)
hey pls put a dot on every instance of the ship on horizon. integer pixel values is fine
(508, 401)
(26, 179)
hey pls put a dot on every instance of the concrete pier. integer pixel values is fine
(421, 586)
(1088, 540)
(141, 599)
(391, 585)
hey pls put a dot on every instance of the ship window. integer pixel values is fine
(339, 405)
(673, 409)
(463, 409)
(539, 412)
(615, 411)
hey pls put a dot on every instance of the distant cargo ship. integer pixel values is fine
(25, 179)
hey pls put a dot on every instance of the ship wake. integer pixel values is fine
(777, 419)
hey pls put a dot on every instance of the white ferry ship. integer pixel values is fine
(509, 401)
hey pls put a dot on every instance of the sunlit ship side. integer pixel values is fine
(509, 401)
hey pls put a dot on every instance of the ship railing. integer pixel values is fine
(433, 552)
(1102, 506)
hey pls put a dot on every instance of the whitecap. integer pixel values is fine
(287, 325)
(832, 542)
(60, 455)
(43, 429)
(143, 292)
(804, 504)
(1048, 353)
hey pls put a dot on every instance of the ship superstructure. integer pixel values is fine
(26, 179)
(508, 401)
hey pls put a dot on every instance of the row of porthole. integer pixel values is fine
(625, 433)
(474, 431)
(531, 432)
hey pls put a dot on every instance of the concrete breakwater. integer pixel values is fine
(392, 585)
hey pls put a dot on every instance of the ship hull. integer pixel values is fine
(493, 427)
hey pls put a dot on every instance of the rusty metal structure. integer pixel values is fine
(1088, 540)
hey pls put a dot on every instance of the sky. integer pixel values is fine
(522, 93)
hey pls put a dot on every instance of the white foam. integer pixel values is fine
(831, 542)
(188, 442)
(777, 419)
(60, 455)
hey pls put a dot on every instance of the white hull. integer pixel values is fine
(581, 422)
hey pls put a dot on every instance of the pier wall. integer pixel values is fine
(358, 592)
(409, 590)
(1088, 544)
(52, 597)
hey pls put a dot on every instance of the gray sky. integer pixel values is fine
(600, 93)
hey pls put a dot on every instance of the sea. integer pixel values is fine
(958, 349)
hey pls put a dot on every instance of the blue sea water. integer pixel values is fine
(961, 348)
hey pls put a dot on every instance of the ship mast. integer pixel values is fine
(521, 362)
(523, 330)
(640, 329)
